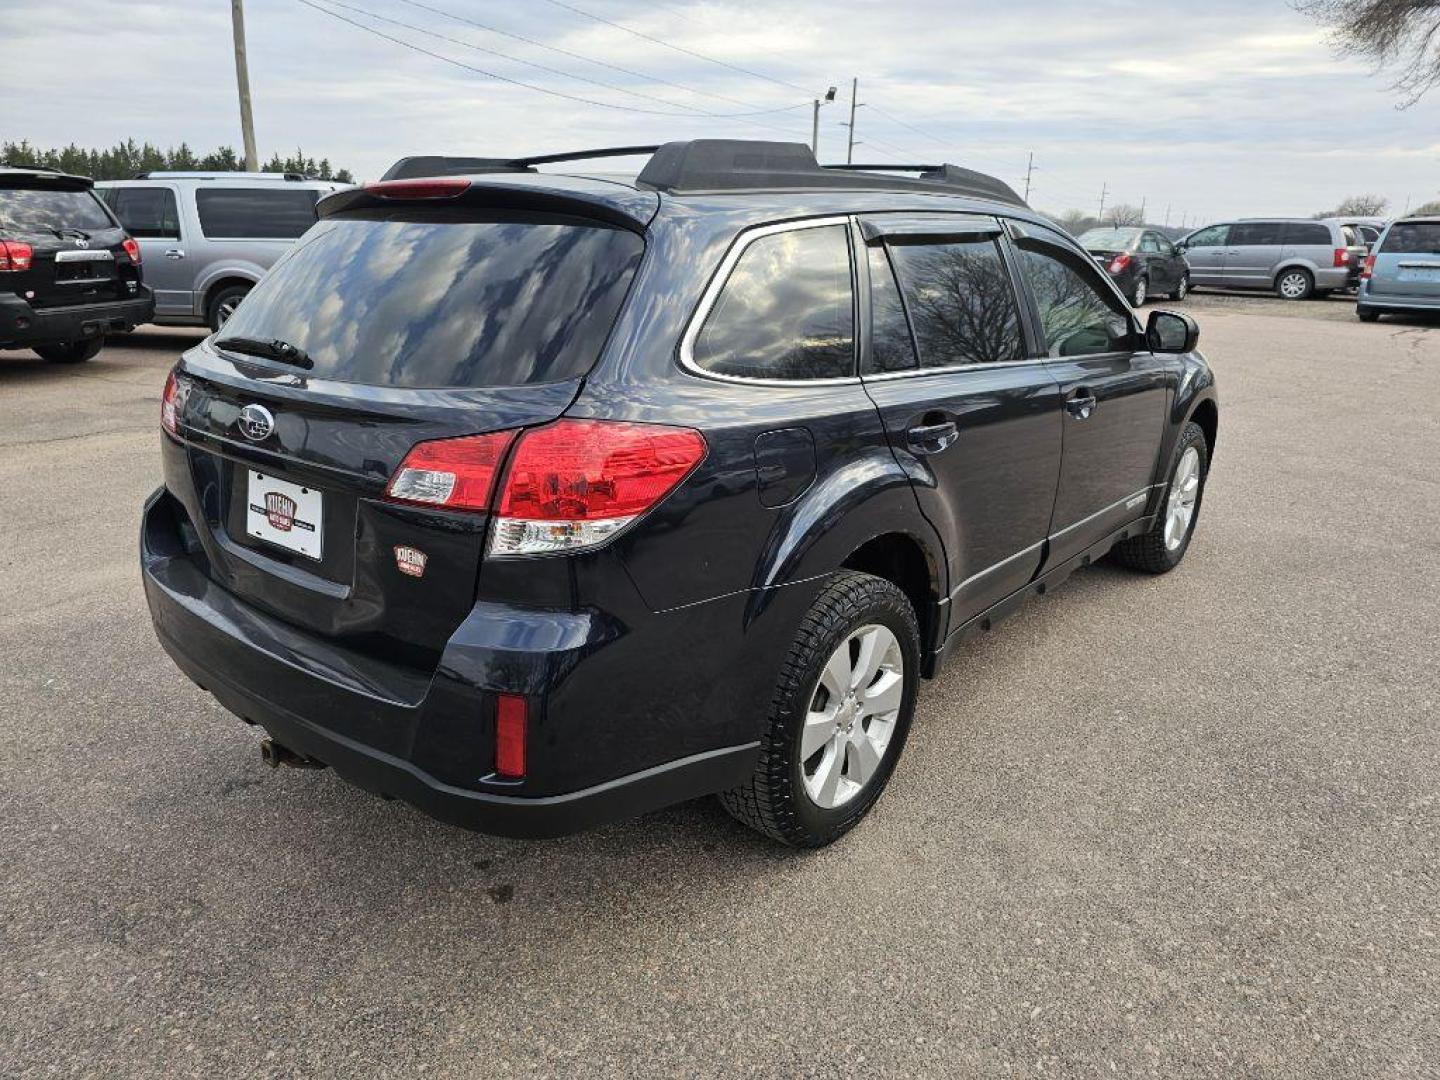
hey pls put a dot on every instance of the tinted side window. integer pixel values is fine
(1257, 233)
(1214, 236)
(147, 213)
(1299, 233)
(891, 348)
(255, 213)
(1149, 243)
(1079, 311)
(960, 301)
(786, 311)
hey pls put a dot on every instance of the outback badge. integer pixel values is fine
(409, 560)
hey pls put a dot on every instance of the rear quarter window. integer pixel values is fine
(417, 299)
(276, 213)
(1300, 235)
(146, 212)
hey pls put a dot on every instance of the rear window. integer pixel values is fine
(1413, 238)
(44, 210)
(1108, 239)
(255, 213)
(395, 298)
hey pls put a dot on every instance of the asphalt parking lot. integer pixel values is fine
(1184, 826)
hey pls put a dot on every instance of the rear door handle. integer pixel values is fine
(1081, 405)
(932, 438)
(174, 253)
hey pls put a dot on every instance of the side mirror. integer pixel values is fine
(1171, 332)
(1181, 246)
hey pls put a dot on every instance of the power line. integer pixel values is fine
(677, 48)
(498, 77)
(540, 67)
(573, 55)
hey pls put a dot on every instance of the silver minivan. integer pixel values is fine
(207, 237)
(1297, 258)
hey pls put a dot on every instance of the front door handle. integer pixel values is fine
(175, 253)
(932, 438)
(1081, 405)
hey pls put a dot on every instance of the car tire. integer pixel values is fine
(1182, 289)
(1141, 292)
(1296, 283)
(223, 303)
(860, 633)
(71, 352)
(1163, 545)
(1367, 314)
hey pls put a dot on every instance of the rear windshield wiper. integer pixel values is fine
(274, 349)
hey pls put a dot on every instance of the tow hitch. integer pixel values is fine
(275, 755)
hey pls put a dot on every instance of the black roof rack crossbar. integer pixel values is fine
(714, 165)
(584, 155)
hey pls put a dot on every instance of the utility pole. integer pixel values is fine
(242, 78)
(815, 123)
(1029, 171)
(1104, 190)
(1142, 209)
(1167, 215)
(850, 149)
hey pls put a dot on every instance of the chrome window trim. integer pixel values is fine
(952, 369)
(722, 277)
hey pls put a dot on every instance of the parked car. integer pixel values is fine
(68, 273)
(1141, 262)
(1296, 258)
(208, 237)
(539, 500)
(1402, 274)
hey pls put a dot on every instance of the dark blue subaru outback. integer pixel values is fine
(540, 500)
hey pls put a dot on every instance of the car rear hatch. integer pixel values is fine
(403, 323)
(1407, 261)
(62, 247)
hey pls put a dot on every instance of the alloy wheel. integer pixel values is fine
(1142, 293)
(1293, 286)
(852, 716)
(1184, 289)
(225, 310)
(1184, 495)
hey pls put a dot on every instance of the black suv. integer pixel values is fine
(539, 500)
(68, 272)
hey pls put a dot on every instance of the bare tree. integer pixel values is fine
(1074, 222)
(1429, 209)
(1403, 34)
(1358, 206)
(1123, 214)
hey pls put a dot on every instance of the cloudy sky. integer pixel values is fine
(1210, 109)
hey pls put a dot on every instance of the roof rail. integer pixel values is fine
(218, 174)
(408, 168)
(714, 165)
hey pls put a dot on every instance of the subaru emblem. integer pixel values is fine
(256, 423)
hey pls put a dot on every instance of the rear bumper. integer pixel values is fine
(1369, 298)
(1338, 277)
(22, 325)
(428, 738)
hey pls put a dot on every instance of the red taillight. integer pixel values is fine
(419, 189)
(1342, 257)
(574, 483)
(1119, 263)
(458, 474)
(510, 724)
(1368, 270)
(170, 405)
(15, 255)
(132, 249)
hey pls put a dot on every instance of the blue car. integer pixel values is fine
(1402, 272)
